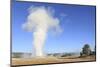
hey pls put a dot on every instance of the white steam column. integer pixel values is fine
(39, 21)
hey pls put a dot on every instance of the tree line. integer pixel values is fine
(86, 50)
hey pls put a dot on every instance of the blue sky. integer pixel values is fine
(77, 22)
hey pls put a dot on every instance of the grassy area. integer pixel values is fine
(50, 60)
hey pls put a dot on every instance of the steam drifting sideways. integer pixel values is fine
(39, 21)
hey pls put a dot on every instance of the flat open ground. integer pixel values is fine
(49, 60)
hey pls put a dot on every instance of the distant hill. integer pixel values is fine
(63, 54)
(28, 55)
(21, 55)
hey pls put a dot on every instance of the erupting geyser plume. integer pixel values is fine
(39, 21)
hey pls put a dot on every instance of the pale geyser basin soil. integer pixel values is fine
(49, 60)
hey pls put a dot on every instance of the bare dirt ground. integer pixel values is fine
(49, 60)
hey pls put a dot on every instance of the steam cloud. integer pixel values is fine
(39, 21)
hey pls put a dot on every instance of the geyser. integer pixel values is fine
(39, 21)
